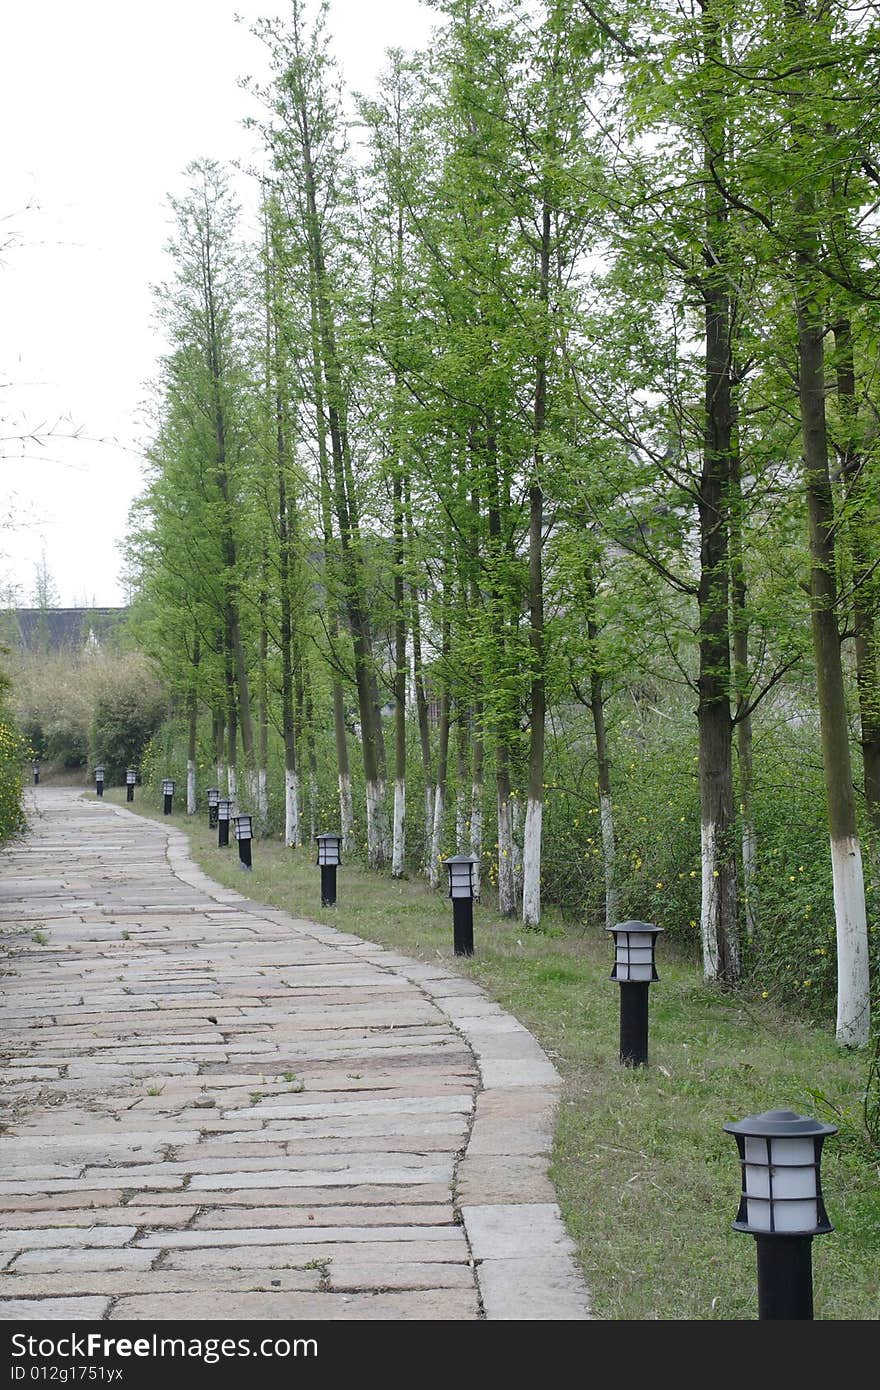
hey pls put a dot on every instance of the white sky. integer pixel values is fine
(102, 105)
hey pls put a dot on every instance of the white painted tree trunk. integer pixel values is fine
(375, 842)
(398, 848)
(853, 992)
(190, 787)
(477, 833)
(461, 821)
(346, 812)
(515, 823)
(750, 875)
(429, 825)
(710, 902)
(606, 821)
(221, 774)
(291, 807)
(531, 861)
(232, 783)
(436, 838)
(506, 881)
(384, 828)
(253, 793)
(262, 801)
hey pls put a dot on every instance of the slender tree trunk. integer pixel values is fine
(311, 754)
(853, 992)
(462, 788)
(477, 761)
(741, 685)
(231, 730)
(718, 914)
(442, 756)
(192, 713)
(398, 848)
(603, 761)
(865, 589)
(219, 749)
(285, 559)
(424, 727)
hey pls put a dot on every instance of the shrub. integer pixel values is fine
(13, 751)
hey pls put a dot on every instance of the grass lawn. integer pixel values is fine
(647, 1180)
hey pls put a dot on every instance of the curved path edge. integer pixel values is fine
(523, 1256)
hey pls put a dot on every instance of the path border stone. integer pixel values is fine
(523, 1256)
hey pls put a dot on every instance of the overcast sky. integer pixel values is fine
(102, 105)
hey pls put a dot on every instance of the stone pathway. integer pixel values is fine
(212, 1109)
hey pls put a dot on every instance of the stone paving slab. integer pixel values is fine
(218, 1110)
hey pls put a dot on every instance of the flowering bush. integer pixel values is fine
(13, 752)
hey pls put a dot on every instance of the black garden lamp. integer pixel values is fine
(168, 793)
(99, 780)
(244, 834)
(213, 799)
(36, 774)
(634, 970)
(781, 1205)
(329, 859)
(130, 779)
(460, 868)
(224, 812)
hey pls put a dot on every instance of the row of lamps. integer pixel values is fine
(780, 1152)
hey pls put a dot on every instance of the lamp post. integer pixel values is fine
(168, 793)
(634, 970)
(329, 858)
(224, 811)
(460, 868)
(244, 834)
(36, 774)
(99, 780)
(781, 1205)
(213, 799)
(130, 779)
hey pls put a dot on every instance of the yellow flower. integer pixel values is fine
(659, 883)
(764, 994)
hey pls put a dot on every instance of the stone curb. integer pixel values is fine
(523, 1257)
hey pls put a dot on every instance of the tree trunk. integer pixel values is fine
(740, 625)
(853, 991)
(192, 712)
(398, 846)
(865, 589)
(718, 913)
(477, 760)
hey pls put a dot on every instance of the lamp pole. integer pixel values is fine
(781, 1205)
(329, 858)
(634, 970)
(460, 868)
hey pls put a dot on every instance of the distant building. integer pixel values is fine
(60, 629)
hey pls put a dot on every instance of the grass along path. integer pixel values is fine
(647, 1180)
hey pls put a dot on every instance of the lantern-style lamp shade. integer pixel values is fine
(99, 772)
(460, 868)
(224, 808)
(131, 776)
(780, 1153)
(329, 850)
(168, 787)
(213, 796)
(243, 827)
(634, 951)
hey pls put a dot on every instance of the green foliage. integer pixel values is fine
(128, 710)
(77, 707)
(13, 750)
